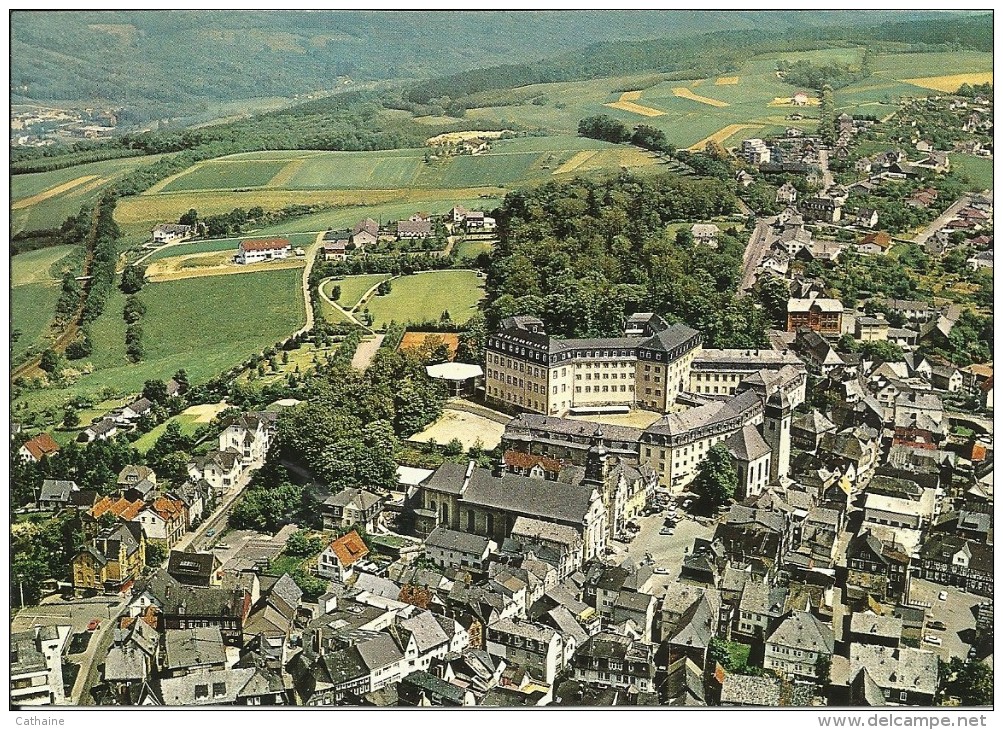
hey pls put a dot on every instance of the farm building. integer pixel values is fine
(265, 249)
(414, 228)
(167, 232)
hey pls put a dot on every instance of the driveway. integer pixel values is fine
(956, 612)
(759, 242)
(942, 220)
(667, 551)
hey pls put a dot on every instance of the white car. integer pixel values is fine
(662, 571)
(935, 640)
(942, 595)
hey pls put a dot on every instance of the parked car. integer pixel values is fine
(935, 640)
(666, 531)
(942, 595)
(662, 571)
(94, 625)
(938, 625)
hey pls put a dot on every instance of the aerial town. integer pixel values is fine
(713, 428)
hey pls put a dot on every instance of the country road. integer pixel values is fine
(759, 242)
(940, 221)
(311, 256)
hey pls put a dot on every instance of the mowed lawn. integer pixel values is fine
(186, 422)
(205, 325)
(425, 296)
(353, 287)
(36, 267)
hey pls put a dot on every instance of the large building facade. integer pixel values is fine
(527, 369)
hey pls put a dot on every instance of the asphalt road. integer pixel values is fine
(942, 220)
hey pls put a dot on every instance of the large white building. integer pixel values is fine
(648, 367)
(256, 250)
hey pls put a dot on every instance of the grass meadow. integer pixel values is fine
(425, 296)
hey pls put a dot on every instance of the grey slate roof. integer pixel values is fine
(57, 490)
(896, 669)
(747, 444)
(125, 663)
(446, 539)
(802, 630)
(742, 690)
(185, 648)
(539, 498)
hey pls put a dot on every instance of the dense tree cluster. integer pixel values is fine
(105, 259)
(604, 127)
(582, 255)
(716, 478)
(814, 76)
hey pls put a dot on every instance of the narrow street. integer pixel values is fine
(759, 242)
(942, 220)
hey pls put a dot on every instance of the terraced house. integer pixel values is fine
(530, 370)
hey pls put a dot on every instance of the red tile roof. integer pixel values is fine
(264, 244)
(878, 238)
(349, 549)
(523, 460)
(41, 445)
(169, 509)
(121, 508)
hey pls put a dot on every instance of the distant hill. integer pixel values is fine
(155, 61)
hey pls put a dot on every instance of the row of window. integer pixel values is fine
(605, 389)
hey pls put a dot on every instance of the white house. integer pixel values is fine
(798, 643)
(167, 232)
(36, 666)
(452, 549)
(220, 469)
(705, 233)
(103, 430)
(262, 249)
(250, 435)
(981, 260)
(786, 194)
(537, 648)
(341, 557)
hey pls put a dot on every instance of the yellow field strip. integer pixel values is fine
(576, 161)
(722, 134)
(726, 81)
(952, 82)
(626, 103)
(284, 176)
(683, 92)
(51, 192)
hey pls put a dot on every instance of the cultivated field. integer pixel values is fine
(204, 325)
(226, 173)
(977, 169)
(951, 82)
(627, 103)
(45, 199)
(37, 267)
(32, 307)
(425, 296)
(685, 93)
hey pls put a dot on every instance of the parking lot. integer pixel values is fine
(957, 613)
(666, 550)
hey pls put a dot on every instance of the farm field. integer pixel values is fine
(203, 325)
(226, 173)
(32, 307)
(45, 199)
(424, 296)
(978, 169)
(472, 249)
(36, 267)
(353, 287)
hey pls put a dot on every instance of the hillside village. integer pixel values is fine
(757, 474)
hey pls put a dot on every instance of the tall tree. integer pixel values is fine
(716, 478)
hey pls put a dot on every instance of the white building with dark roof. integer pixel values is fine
(454, 549)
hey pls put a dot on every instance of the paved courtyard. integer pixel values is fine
(667, 551)
(957, 612)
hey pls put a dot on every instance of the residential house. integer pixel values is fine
(755, 151)
(705, 233)
(250, 434)
(134, 411)
(821, 208)
(876, 243)
(903, 676)
(36, 666)
(684, 685)
(871, 329)
(167, 232)
(192, 649)
(866, 218)
(339, 559)
(137, 482)
(798, 645)
(760, 609)
(37, 448)
(177, 606)
(741, 690)
(256, 250)
(112, 562)
(946, 377)
(422, 689)
(245, 686)
(103, 430)
(786, 194)
(194, 568)
(867, 627)
(453, 549)
(539, 536)
(807, 430)
(637, 608)
(335, 250)
(876, 568)
(818, 314)
(221, 470)
(616, 661)
(365, 233)
(953, 560)
(352, 507)
(538, 649)
(980, 260)
(163, 521)
(414, 229)
(56, 494)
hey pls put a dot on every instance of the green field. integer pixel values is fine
(424, 296)
(977, 169)
(37, 267)
(204, 325)
(32, 307)
(916, 65)
(52, 211)
(188, 423)
(353, 287)
(226, 174)
(472, 249)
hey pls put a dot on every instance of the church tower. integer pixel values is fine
(597, 462)
(777, 433)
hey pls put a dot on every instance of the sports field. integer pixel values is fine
(426, 295)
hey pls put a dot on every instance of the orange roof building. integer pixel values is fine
(119, 507)
(349, 549)
(39, 447)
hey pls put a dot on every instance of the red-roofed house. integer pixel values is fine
(262, 249)
(340, 557)
(163, 522)
(875, 243)
(533, 465)
(38, 448)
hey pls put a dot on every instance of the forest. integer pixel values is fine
(583, 254)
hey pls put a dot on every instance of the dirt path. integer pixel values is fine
(366, 352)
(311, 256)
(345, 312)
